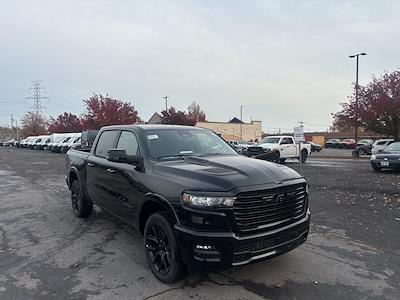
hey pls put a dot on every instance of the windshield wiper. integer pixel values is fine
(210, 154)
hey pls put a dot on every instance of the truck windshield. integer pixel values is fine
(177, 143)
(270, 140)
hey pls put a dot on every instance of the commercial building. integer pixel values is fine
(235, 129)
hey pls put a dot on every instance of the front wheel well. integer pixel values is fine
(151, 207)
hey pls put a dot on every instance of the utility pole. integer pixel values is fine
(166, 102)
(241, 120)
(12, 125)
(37, 97)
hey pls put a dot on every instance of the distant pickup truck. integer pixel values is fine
(278, 149)
(199, 204)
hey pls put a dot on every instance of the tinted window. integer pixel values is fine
(106, 142)
(127, 141)
(270, 140)
(381, 143)
(393, 147)
(286, 141)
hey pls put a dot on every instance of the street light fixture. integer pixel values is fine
(356, 116)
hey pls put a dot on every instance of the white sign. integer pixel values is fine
(298, 134)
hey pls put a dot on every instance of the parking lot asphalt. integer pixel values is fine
(335, 153)
(353, 250)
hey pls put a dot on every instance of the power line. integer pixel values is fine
(37, 97)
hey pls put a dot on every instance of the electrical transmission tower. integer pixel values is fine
(37, 97)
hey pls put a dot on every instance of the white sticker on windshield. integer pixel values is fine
(152, 136)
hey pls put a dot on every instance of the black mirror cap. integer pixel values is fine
(119, 155)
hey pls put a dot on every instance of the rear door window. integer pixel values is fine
(106, 142)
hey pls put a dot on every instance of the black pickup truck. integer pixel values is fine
(199, 204)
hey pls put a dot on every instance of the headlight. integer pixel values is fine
(207, 201)
(373, 157)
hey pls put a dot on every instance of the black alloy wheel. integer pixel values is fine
(80, 205)
(361, 151)
(75, 199)
(161, 248)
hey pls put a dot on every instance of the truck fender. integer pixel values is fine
(74, 173)
(159, 200)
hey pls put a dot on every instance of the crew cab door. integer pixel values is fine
(100, 172)
(127, 189)
(287, 147)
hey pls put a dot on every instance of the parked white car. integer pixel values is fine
(285, 147)
(380, 145)
(239, 145)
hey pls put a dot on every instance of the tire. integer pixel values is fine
(361, 152)
(377, 169)
(161, 248)
(275, 157)
(304, 156)
(81, 207)
(282, 160)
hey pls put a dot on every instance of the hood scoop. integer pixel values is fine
(206, 162)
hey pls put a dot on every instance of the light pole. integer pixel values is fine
(241, 120)
(356, 112)
(166, 102)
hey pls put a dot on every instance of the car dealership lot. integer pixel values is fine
(45, 252)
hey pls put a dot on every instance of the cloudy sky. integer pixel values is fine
(285, 61)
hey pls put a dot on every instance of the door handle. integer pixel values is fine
(90, 164)
(110, 170)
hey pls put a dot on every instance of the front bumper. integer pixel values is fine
(392, 163)
(207, 251)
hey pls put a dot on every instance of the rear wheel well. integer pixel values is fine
(150, 207)
(72, 177)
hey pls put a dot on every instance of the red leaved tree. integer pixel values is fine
(66, 122)
(104, 110)
(33, 123)
(378, 106)
(176, 117)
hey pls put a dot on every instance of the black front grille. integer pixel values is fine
(255, 210)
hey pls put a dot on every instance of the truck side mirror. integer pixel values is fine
(119, 155)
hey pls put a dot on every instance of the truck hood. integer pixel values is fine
(223, 173)
(268, 145)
